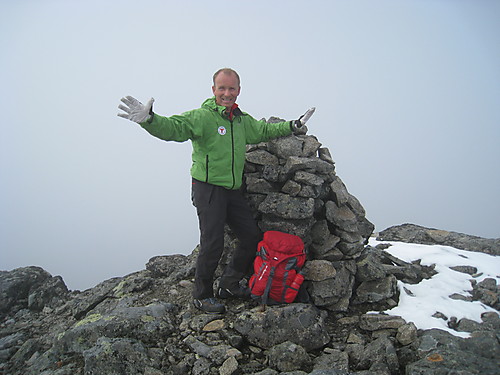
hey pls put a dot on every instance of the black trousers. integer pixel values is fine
(215, 207)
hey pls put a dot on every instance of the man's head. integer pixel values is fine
(226, 87)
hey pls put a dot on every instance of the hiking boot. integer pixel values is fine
(234, 292)
(209, 305)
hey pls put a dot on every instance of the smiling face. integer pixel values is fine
(226, 89)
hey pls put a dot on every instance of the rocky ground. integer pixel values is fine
(144, 323)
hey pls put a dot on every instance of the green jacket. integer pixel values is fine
(219, 144)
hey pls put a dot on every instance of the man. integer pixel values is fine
(219, 132)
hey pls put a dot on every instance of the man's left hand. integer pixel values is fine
(298, 128)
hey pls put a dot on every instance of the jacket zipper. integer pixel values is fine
(206, 168)
(232, 154)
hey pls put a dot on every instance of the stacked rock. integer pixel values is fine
(292, 186)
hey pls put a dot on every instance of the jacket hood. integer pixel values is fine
(210, 103)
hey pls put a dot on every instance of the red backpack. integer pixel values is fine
(277, 268)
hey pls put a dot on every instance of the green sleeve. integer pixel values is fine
(261, 131)
(178, 128)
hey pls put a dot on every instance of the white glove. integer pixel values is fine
(135, 110)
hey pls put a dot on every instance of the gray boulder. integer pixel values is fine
(17, 285)
(334, 359)
(335, 292)
(172, 267)
(52, 293)
(288, 356)
(146, 323)
(287, 207)
(116, 356)
(301, 324)
(442, 353)
(429, 236)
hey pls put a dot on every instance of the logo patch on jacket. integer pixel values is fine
(221, 130)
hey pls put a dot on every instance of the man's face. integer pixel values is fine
(226, 89)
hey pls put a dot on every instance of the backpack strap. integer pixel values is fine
(265, 296)
(291, 264)
(261, 251)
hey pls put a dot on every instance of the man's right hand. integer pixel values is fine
(135, 110)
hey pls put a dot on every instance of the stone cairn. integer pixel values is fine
(292, 186)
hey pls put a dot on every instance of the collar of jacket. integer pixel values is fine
(211, 104)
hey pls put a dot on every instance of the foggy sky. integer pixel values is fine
(407, 96)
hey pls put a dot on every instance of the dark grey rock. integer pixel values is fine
(341, 216)
(52, 293)
(286, 146)
(258, 185)
(291, 188)
(339, 192)
(229, 367)
(369, 266)
(145, 323)
(465, 269)
(319, 270)
(296, 163)
(11, 340)
(89, 299)
(309, 191)
(288, 356)
(324, 154)
(407, 333)
(201, 366)
(267, 371)
(320, 231)
(261, 157)
(298, 227)
(308, 178)
(327, 248)
(299, 323)
(16, 286)
(174, 267)
(374, 322)
(380, 352)
(272, 173)
(330, 372)
(487, 292)
(334, 294)
(374, 291)
(467, 325)
(334, 360)
(442, 353)
(311, 146)
(116, 356)
(489, 283)
(429, 236)
(25, 352)
(350, 250)
(287, 207)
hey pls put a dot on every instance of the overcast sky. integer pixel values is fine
(407, 96)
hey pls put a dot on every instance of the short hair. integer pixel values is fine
(227, 71)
